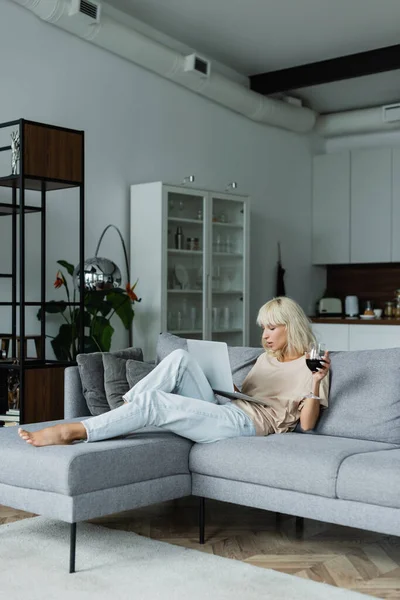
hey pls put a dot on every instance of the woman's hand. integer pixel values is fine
(322, 371)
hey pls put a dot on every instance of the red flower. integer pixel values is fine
(60, 281)
(129, 290)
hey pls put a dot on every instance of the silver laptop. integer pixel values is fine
(213, 359)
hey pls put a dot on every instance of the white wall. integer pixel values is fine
(140, 127)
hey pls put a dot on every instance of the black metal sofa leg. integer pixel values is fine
(201, 519)
(72, 548)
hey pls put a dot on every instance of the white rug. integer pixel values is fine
(114, 565)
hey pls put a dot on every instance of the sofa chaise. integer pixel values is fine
(346, 471)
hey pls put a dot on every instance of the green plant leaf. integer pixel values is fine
(102, 332)
(52, 307)
(90, 345)
(122, 305)
(70, 268)
(63, 343)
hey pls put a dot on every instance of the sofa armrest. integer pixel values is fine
(74, 400)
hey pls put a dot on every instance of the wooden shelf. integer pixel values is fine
(35, 184)
(8, 209)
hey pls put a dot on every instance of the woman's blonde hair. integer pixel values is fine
(285, 311)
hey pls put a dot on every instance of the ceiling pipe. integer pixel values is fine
(353, 122)
(149, 54)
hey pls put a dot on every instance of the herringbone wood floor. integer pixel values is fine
(348, 558)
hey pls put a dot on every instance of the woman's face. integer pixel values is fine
(274, 337)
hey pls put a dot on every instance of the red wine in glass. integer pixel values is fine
(314, 364)
(314, 360)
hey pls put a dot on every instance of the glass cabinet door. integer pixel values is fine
(228, 269)
(186, 271)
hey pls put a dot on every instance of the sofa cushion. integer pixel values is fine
(289, 461)
(91, 371)
(242, 358)
(80, 468)
(373, 477)
(115, 382)
(120, 375)
(364, 397)
(136, 370)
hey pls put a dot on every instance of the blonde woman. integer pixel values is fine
(177, 397)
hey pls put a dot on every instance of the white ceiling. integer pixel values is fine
(255, 36)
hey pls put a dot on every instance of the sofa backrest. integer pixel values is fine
(364, 397)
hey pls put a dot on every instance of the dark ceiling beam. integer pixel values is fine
(326, 71)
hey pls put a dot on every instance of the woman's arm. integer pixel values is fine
(311, 407)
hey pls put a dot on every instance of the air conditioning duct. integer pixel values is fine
(353, 122)
(124, 41)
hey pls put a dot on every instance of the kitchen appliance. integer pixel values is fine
(351, 307)
(330, 307)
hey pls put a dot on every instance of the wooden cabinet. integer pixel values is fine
(371, 204)
(331, 209)
(190, 252)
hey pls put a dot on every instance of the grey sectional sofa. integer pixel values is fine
(346, 471)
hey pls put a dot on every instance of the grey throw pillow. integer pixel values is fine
(242, 358)
(115, 383)
(136, 370)
(120, 375)
(91, 371)
(167, 343)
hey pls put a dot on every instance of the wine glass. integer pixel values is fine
(230, 274)
(315, 357)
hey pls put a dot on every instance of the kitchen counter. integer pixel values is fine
(344, 321)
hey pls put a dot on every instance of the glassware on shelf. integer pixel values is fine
(215, 318)
(199, 279)
(229, 244)
(229, 273)
(389, 310)
(226, 317)
(193, 317)
(216, 278)
(218, 244)
(179, 238)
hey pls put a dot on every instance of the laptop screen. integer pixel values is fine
(213, 358)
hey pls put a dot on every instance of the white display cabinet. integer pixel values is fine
(190, 251)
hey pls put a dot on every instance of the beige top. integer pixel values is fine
(283, 385)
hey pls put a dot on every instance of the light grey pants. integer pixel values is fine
(177, 397)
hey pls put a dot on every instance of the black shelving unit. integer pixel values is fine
(50, 158)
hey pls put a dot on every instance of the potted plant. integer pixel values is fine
(100, 305)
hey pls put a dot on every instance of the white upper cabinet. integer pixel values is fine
(396, 205)
(331, 209)
(371, 203)
(356, 207)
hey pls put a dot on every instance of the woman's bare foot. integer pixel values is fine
(62, 434)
